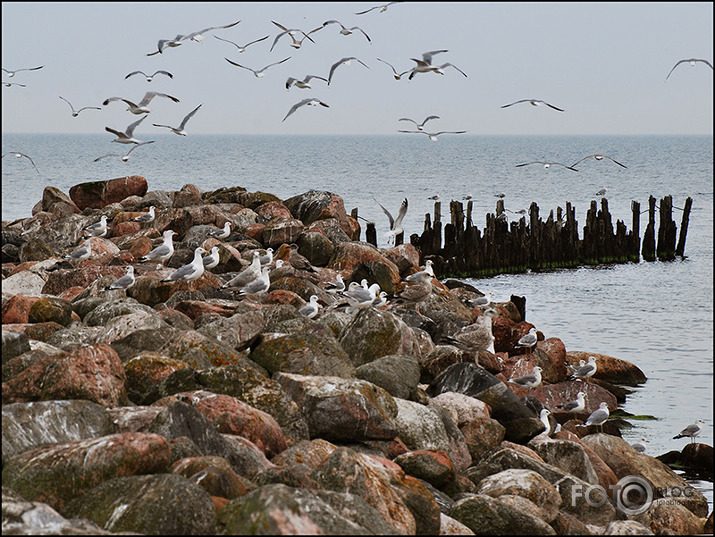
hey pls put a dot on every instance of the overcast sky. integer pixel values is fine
(605, 64)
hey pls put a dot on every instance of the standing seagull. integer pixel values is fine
(180, 129)
(533, 102)
(418, 275)
(98, 229)
(239, 47)
(302, 84)
(20, 155)
(544, 418)
(81, 253)
(75, 113)
(149, 78)
(309, 102)
(12, 73)
(338, 286)
(261, 72)
(598, 157)
(147, 217)
(529, 381)
(142, 106)
(189, 272)
(585, 371)
(691, 431)
(417, 292)
(347, 61)
(125, 158)
(547, 165)
(347, 31)
(397, 75)
(267, 258)
(395, 223)
(529, 340)
(691, 61)
(602, 191)
(221, 233)
(310, 310)
(578, 405)
(125, 282)
(598, 417)
(246, 276)
(211, 260)
(164, 251)
(126, 137)
(259, 285)
(382, 8)
(433, 135)
(420, 126)
(477, 336)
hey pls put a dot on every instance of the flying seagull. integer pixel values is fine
(125, 282)
(142, 106)
(439, 69)
(395, 223)
(346, 61)
(347, 31)
(180, 129)
(126, 137)
(261, 72)
(12, 73)
(189, 272)
(310, 310)
(420, 126)
(309, 102)
(10, 84)
(164, 251)
(691, 61)
(433, 135)
(533, 102)
(199, 36)
(397, 75)
(75, 113)
(382, 8)
(529, 381)
(149, 78)
(598, 157)
(290, 32)
(124, 158)
(81, 253)
(302, 84)
(691, 431)
(244, 47)
(598, 417)
(163, 43)
(547, 165)
(20, 155)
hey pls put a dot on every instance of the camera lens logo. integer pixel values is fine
(633, 495)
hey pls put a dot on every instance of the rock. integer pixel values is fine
(17, 309)
(609, 368)
(27, 283)
(482, 434)
(98, 194)
(316, 247)
(214, 475)
(330, 229)
(149, 504)
(56, 202)
(463, 408)
(626, 527)
(698, 458)
(34, 250)
(238, 330)
(318, 205)
(666, 514)
(433, 466)
(13, 344)
(148, 374)
(420, 427)
(485, 515)
(281, 231)
(398, 374)
(570, 456)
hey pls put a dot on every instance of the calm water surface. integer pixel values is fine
(657, 315)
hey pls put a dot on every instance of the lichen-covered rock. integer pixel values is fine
(214, 475)
(50, 309)
(13, 344)
(485, 515)
(433, 466)
(420, 427)
(398, 374)
(666, 514)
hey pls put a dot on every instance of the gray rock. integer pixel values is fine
(420, 427)
(13, 343)
(485, 515)
(567, 455)
(398, 374)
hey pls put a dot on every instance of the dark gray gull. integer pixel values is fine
(81, 253)
(189, 272)
(164, 251)
(142, 107)
(533, 102)
(691, 431)
(310, 102)
(22, 155)
(395, 223)
(395, 74)
(347, 31)
(433, 135)
(598, 157)
(149, 78)
(242, 48)
(528, 381)
(147, 217)
(598, 417)
(310, 310)
(420, 126)
(302, 84)
(12, 73)
(98, 229)
(344, 61)
(529, 340)
(75, 113)
(582, 372)
(180, 129)
(298, 261)
(577, 405)
(126, 137)
(247, 275)
(692, 62)
(125, 282)
(211, 260)
(259, 285)
(547, 165)
(261, 72)
(124, 158)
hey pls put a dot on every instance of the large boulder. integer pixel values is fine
(98, 194)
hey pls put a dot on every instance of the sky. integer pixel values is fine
(605, 64)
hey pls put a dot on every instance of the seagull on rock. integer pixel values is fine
(585, 371)
(98, 229)
(259, 285)
(691, 431)
(221, 233)
(147, 217)
(211, 260)
(578, 405)
(81, 253)
(247, 275)
(530, 381)
(164, 251)
(529, 340)
(125, 282)
(310, 310)
(189, 272)
(599, 416)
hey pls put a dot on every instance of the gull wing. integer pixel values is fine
(189, 116)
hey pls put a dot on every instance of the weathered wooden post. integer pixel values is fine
(354, 214)
(635, 247)
(666, 231)
(680, 249)
(648, 250)
(371, 233)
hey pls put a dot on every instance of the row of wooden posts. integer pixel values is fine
(536, 244)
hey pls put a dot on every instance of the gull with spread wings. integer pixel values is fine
(75, 113)
(691, 61)
(433, 135)
(242, 48)
(143, 106)
(126, 137)
(309, 102)
(124, 158)
(261, 72)
(149, 78)
(395, 223)
(598, 157)
(347, 61)
(533, 102)
(20, 155)
(420, 126)
(180, 129)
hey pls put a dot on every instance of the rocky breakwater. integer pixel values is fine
(201, 402)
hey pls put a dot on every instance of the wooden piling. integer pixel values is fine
(371, 233)
(648, 251)
(680, 249)
(666, 231)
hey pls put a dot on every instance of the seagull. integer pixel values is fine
(20, 155)
(598, 157)
(499, 195)
(297, 261)
(380, 299)
(212, 259)
(142, 107)
(578, 405)
(395, 223)
(476, 336)
(467, 197)
(691, 61)
(547, 165)
(261, 72)
(382, 8)
(12, 73)
(310, 102)
(98, 229)
(585, 371)
(529, 381)
(529, 340)
(310, 310)
(640, 446)
(599, 416)
(149, 78)
(302, 84)
(221, 233)
(128, 136)
(433, 135)
(420, 126)
(425, 64)
(189, 272)
(483, 300)
(347, 31)
(338, 286)
(417, 291)
(534, 102)
(602, 192)
(397, 75)
(691, 430)
(146, 217)
(347, 61)
(180, 129)
(81, 253)
(164, 251)
(239, 47)
(197, 37)
(290, 32)
(436, 196)
(259, 285)
(439, 69)
(544, 417)
(9, 84)
(361, 297)
(163, 43)
(267, 258)
(418, 275)
(125, 158)
(247, 275)
(75, 113)
(125, 282)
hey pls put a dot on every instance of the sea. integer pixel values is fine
(657, 315)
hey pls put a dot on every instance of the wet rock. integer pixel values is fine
(98, 194)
